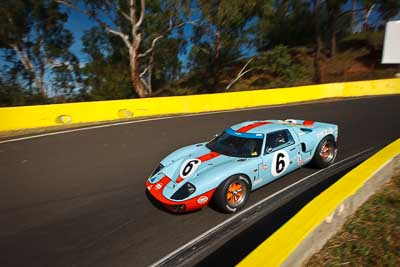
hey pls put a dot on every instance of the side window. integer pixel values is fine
(278, 140)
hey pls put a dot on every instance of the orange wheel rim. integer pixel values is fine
(234, 193)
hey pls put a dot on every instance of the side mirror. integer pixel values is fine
(269, 150)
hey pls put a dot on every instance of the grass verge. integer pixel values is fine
(371, 237)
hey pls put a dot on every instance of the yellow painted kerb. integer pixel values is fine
(275, 250)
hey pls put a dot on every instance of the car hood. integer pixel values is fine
(175, 161)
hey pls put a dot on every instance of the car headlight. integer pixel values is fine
(186, 190)
(159, 168)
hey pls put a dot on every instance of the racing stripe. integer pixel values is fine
(308, 123)
(208, 156)
(203, 158)
(247, 128)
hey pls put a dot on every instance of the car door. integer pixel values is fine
(279, 157)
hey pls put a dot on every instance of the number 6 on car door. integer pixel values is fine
(280, 162)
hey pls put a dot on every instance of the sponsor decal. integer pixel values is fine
(264, 167)
(159, 186)
(202, 199)
(299, 160)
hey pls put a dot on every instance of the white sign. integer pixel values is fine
(391, 45)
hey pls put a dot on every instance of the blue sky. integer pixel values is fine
(77, 24)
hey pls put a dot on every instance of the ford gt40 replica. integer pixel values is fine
(243, 158)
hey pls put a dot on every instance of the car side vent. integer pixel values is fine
(241, 159)
(199, 145)
(306, 130)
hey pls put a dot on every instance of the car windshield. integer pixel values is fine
(235, 146)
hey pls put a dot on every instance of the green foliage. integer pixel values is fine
(106, 75)
(371, 40)
(12, 94)
(218, 41)
(284, 22)
(370, 237)
(279, 63)
(36, 45)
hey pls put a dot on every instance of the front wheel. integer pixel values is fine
(232, 194)
(326, 152)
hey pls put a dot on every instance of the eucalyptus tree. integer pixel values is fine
(130, 21)
(220, 39)
(34, 40)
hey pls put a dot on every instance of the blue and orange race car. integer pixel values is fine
(243, 158)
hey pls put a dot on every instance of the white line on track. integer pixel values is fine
(162, 118)
(217, 227)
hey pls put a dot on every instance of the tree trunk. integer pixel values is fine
(215, 69)
(353, 15)
(151, 65)
(38, 80)
(135, 70)
(333, 33)
(317, 57)
(42, 89)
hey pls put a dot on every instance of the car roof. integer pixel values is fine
(263, 127)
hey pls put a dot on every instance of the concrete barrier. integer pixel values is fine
(15, 118)
(307, 232)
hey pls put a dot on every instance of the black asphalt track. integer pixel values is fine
(78, 199)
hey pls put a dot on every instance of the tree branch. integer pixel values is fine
(155, 40)
(101, 23)
(118, 8)
(351, 11)
(144, 72)
(142, 12)
(153, 43)
(240, 74)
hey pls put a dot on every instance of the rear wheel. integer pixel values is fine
(232, 194)
(326, 152)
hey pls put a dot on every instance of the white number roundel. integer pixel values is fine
(189, 167)
(280, 162)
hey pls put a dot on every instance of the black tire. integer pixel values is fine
(325, 153)
(230, 200)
